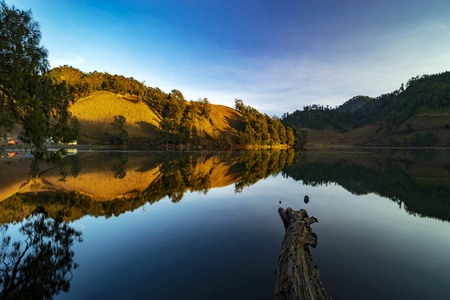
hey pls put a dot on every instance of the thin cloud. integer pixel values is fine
(66, 59)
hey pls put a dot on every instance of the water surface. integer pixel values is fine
(205, 225)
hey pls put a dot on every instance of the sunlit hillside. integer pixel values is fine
(221, 119)
(156, 118)
(96, 113)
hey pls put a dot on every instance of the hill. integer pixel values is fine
(96, 113)
(418, 115)
(115, 109)
(354, 104)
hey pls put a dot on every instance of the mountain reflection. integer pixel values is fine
(106, 184)
(39, 266)
(418, 180)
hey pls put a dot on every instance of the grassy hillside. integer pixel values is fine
(143, 124)
(96, 113)
(120, 110)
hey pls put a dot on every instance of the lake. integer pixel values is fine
(205, 225)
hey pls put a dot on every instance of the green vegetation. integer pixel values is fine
(180, 116)
(261, 130)
(82, 84)
(420, 140)
(355, 104)
(28, 97)
(427, 93)
(121, 136)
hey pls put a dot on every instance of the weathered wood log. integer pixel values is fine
(296, 277)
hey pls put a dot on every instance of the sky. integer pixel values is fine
(275, 55)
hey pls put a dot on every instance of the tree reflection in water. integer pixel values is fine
(40, 266)
(119, 166)
(174, 175)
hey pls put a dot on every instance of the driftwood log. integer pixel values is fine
(296, 277)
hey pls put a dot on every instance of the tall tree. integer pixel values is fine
(28, 98)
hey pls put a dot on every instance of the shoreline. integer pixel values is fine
(98, 147)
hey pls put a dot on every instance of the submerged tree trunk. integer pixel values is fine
(297, 279)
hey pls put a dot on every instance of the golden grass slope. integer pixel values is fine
(96, 113)
(222, 119)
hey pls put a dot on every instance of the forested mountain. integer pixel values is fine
(413, 115)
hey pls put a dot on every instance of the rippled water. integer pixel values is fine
(205, 225)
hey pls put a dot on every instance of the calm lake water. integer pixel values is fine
(205, 225)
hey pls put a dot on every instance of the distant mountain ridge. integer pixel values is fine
(417, 114)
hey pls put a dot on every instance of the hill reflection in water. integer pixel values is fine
(106, 184)
(111, 183)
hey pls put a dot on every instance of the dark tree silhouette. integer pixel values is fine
(28, 96)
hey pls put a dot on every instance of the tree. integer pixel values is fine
(290, 136)
(301, 138)
(239, 105)
(205, 108)
(28, 97)
(73, 132)
(120, 131)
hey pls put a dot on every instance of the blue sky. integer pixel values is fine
(276, 55)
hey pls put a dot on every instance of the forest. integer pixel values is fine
(421, 94)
